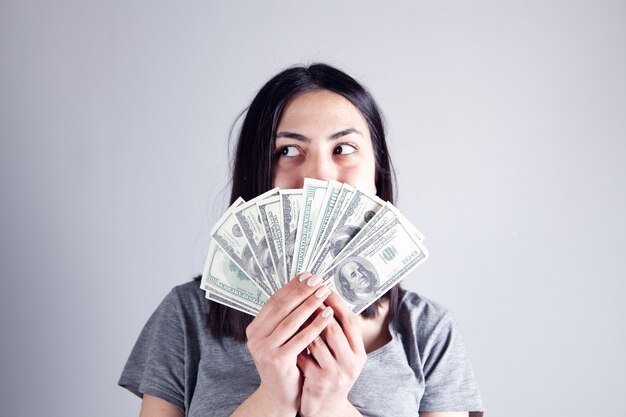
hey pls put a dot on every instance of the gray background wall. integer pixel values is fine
(506, 124)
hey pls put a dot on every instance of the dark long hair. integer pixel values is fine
(253, 170)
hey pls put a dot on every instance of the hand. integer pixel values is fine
(333, 365)
(279, 333)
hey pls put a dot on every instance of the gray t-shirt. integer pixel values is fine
(423, 368)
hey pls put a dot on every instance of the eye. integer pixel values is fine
(344, 149)
(288, 151)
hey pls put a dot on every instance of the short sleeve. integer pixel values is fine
(449, 377)
(156, 365)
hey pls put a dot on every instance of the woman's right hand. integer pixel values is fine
(276, 337)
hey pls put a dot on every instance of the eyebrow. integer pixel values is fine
(302, 138)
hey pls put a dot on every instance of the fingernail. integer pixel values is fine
(304, 276)
(314, 280)
(328, 311)
(322, 292)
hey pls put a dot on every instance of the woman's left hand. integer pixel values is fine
(333, 365)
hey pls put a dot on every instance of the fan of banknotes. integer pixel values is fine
(359, 244)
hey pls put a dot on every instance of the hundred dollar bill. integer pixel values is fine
(290, 201)
(228, 235)
(272, 218)
(387, 213)
(222, 277)
(312, 199)
(345, 195)
(359, 210)
(376, 265)
(249, 218)
(402, 217)
(326, 209)
(219, 298)
(382, 216)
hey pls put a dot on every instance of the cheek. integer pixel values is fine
(362, 177)
(362, 173)
(286, 180)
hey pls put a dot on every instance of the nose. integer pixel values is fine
(321, 168)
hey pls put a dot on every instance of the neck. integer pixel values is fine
(376, 330)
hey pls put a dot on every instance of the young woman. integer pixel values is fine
(305, 353)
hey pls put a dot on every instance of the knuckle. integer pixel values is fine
(319, 325)
(317, 341)
(289, 322)
(280, 307)
(250, 331)
(334, 328)
(265, 358)
(286, 303)
(252, 346)
(270, 303)
(260, 357)
(303, 290)
(300, 338)
(313, 302)
(295, 280)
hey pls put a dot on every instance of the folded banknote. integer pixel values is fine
(360, 245)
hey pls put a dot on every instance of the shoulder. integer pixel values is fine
(190, 291)
(423, 323)
(421, 313)
(185, 305)
(420, 304)
(436, 352)
(186, 298)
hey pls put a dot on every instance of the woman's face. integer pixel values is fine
(322, 135)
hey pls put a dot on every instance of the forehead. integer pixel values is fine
(321, 110)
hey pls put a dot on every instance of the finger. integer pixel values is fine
(321, 352)
(336, 340)
(282, 292)
(283, 302)
(308, 333)
(348, 320)
(292, 284)
(306, 364)
(298, 317)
